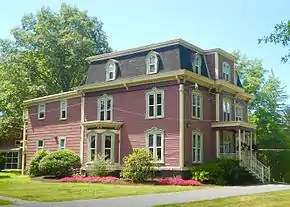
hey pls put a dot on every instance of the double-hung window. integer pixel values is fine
(40, 144)
(92, 147)
(155, 104)
(41, 111)
(111, 70)
(105, 108)
(227, 108)
(226, 71)
(155, 144)
(63, 109)
(197, 105)
(197, 147)
(196, 64)
(62, 143)
(108, 146)
(152, 63)
(239, 112)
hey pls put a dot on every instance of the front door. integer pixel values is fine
(227, 142)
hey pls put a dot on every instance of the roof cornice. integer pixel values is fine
(154, 46)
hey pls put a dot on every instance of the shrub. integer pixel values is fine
(33, 168)
(234, 173)
(2, 161)
(178, 181)
(222, 171)
(60, 163)
(89, 179)
(101, 166)
(138, 166)
(209, 173)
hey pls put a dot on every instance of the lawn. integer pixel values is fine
(26, 189)
(272, 199)
(5, 202)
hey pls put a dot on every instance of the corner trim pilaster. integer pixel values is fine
(181, 125)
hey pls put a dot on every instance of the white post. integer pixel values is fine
(119, 155)
(262, 174)
(251, 143)
(181, 125)
(217, 143)
(217, 106)
(240, 145)
(23, 143)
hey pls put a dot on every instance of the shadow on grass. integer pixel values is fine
(4, 176)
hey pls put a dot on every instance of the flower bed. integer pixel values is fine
(90, 179)
(178, 181)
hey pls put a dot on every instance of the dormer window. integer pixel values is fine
(152, 63)
(111, 70)
(196, 64)
(226, 71)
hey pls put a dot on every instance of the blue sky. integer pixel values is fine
(226, 24)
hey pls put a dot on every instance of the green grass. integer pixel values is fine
(24, 188)
(5, 202)
(272, 199)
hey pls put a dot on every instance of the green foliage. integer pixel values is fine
(2, 161)
(46, 56)
(101, 166)
(138, 166)
(60, 163)
(280, 36)
(268, 112)
(33, 168)
(222, 171)
(209, 173)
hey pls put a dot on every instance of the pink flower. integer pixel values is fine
(178, 181)
(89, 179)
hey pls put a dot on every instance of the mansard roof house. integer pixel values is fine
(184, 104)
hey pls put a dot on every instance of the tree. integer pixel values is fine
(281, 35)
(267, 112)
(46, 56)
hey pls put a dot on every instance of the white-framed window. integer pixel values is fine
(155, 103)
(92, 146)
(63, 109)
(105, 108)
(152, 63)
(196, 64)
(62, 143)
(40, 144)
(41, 111)
(11, 160)
(111, 70)
(197, 147)
(239, 112)
(197, 105)
(108, 146)
(155, 144)
(227, 145)
(226, 71)
(227, 109)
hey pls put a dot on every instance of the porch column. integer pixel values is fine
(181, 125)
(251, 143)
(240, 145)
(255, 142)
(217, 106)
(217, 143)
(23, 145)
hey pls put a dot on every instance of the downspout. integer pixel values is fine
(82, 127)
(23, 144)
(181, 124)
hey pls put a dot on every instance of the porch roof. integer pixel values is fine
(234, 125)
(103, 124)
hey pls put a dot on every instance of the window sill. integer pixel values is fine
(151, 73)
(155, 117)
(41, 119)
(63, 119)
(196, 118)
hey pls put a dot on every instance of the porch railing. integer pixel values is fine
(252, 164)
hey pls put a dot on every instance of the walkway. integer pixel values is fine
(165, 198)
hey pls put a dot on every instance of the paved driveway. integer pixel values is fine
(165, 198)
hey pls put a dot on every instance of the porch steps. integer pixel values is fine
(256, 168)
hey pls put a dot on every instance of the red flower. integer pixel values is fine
(89, 179)
(178, 181)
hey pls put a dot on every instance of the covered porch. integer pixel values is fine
(234, 139)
